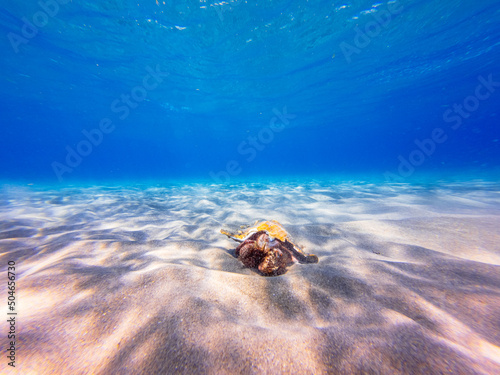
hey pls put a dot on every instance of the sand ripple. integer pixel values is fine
(138, 280)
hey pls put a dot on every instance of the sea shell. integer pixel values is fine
(268, 247)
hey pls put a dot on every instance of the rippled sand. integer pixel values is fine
(140, 281)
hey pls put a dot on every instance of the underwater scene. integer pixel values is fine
(250, 187)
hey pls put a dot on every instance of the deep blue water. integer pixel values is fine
(96, 91)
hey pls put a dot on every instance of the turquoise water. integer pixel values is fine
(229, 91)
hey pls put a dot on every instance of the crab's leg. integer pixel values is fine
(230, 235)
(300, 255)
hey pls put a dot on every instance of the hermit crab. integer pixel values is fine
(268, 247)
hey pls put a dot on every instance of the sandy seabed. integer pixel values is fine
(138, 280)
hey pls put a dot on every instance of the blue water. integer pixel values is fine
(134, 131)
(145, 90)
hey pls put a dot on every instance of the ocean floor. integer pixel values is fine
(138, 280)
